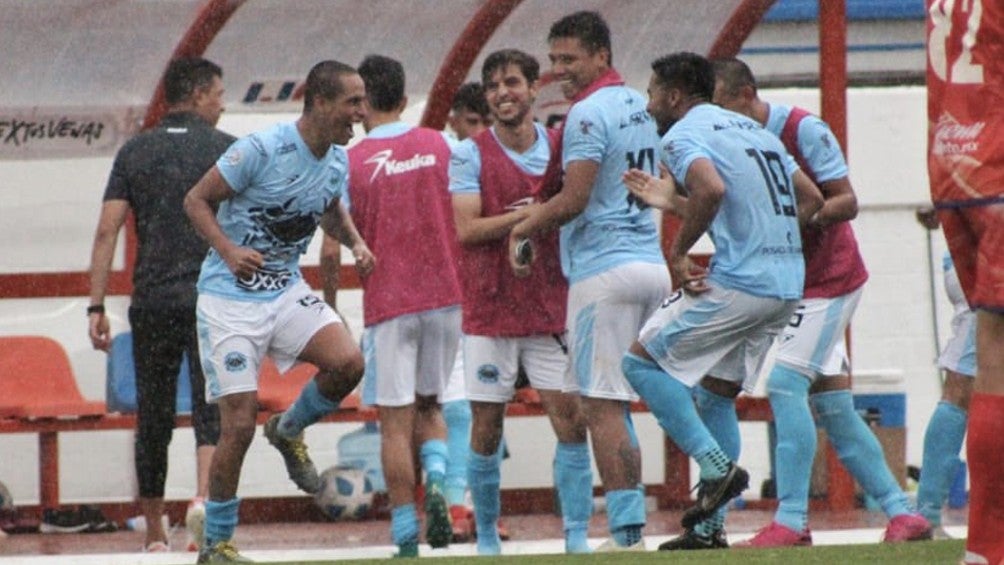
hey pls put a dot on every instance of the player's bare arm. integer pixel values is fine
(840, 203)
(337, 223)
(807, 195)
(113, 215)
(706, 190)
(200, 206)
(474, 229)
(659, 192)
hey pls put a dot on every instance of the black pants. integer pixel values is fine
(160, 336)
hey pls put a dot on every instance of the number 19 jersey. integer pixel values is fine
(758, 247)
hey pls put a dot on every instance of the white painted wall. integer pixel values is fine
(50, 210)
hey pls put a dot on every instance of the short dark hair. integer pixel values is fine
(384, 79)
(325, 81)
(502, 58)
(690, 72)
(185, 75)
(588, 27)
(734, 74)
(470, 97)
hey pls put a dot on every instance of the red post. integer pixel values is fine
(833, 90)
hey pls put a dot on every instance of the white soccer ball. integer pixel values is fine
(346, 493)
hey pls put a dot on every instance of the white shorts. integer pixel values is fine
(605, 313)
(410, 355)
(455, 389)
(493, 362)
(959, 354)
(813, 343)
(235, 335)
(723, 333)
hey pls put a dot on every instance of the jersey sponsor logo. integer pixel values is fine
(285, 148)
(266, 279)
(953, 138)
(636, 119)
(488, 374)
(235, 362)
(385, 163)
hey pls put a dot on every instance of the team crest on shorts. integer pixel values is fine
(235, 362)
(488, 374)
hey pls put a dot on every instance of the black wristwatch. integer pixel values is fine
(96, 309)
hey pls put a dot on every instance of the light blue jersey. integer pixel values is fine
(758, 248)
(612, 128)
(816, 141)
(282, 190)
(465, 163)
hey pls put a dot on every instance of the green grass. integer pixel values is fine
(939, 552)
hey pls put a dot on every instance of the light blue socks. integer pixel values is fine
(433, 454)
(308, 408)
(221, 520)
(942, 443)
(673, 406)
(859, 450)
(719, 415)
(457, 414)
(404, 529)
(788, 391)
(484, 479)
(626, 515)
(573, 477)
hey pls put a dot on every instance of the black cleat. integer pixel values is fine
(691, 540)
(715, 493)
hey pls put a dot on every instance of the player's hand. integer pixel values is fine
(692, 278)
(656, 192)
(521, 256)
(99, 330)
(365, 260)
(243, 262)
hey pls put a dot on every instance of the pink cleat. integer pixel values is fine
(907, 527)
(776, 535)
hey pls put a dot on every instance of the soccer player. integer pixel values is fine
(947, 427)
(399, 198)
(609, 251)
(812, 365)
(469, 114)
(741, 188)
(965, 94)
(150, 177)
(272, 190)
(510, 321)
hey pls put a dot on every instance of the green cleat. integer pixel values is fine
(438, 528)
(221, 552)
(299, 467)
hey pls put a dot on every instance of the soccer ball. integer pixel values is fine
(346, 493)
